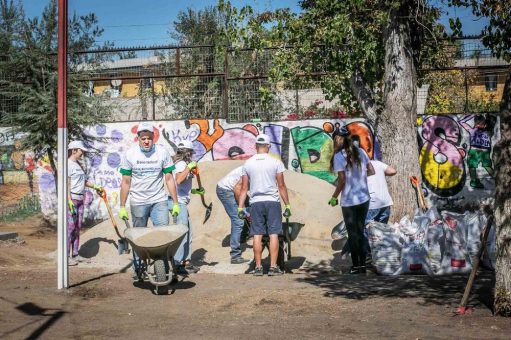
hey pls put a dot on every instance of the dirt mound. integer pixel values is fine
(311, 224)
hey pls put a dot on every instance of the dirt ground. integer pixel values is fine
(308, 303)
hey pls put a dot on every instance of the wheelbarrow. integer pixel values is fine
(156, 247)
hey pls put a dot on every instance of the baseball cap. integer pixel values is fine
(145, 126)
(77, 144)
(262, 139)
(185, 144)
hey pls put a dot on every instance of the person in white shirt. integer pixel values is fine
(184, 173)
(380, 203)
(228, 191)
(75, 197)
(144, 168)
(263, 175)
(352, 166)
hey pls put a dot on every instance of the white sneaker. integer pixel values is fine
(71, 261)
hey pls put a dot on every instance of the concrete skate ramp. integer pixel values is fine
(312, 220)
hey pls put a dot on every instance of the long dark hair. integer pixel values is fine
(352, 154)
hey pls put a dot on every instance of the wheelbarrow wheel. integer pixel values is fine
(161, 276)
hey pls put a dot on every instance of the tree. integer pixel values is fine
(197, 96)
(370, 51)
(497, 36)
(34, 80)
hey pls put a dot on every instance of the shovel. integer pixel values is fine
(420, 195)
(208, 207)
(122, 243)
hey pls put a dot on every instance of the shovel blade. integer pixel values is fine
(208, 212)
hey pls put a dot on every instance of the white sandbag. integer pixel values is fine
(386, 244)
(473, 227)
(435, 242)
(414, 259)
(456, 258)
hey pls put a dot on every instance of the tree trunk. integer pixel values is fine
(396, 126)
(502, 157)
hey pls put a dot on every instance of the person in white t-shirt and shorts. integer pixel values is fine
(228, 191)
(144, 168)
(263, 175)
(75, 199)
(184, 174)
(352, 166)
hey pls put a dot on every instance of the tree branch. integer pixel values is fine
(365, 98)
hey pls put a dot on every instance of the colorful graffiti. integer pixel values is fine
(451, 144)
(452, 151)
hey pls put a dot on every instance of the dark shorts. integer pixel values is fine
(266, 218)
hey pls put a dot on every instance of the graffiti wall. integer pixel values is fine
(16, 165)
(455, 152)
(456, 156)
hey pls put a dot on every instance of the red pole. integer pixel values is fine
(62, 246)
(62, 65)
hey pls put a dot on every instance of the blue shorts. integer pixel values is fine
(266, 218)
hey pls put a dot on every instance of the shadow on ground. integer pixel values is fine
(437, 290)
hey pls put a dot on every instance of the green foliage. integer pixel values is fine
(34, 82)
(497, 33)
(334, 38)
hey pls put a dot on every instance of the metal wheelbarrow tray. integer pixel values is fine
(156, 247)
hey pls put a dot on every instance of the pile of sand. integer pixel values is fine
(312, 221)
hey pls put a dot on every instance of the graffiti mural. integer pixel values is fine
(455, 155)
(455, 152)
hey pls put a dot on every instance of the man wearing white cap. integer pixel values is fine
(144, 168)
(185, 170)
(263, 175)
(75, 197)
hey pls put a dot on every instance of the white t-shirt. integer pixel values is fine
(355, 190)
(147, 173)
(262, 170)
(183, 189)
(377, 184)
(229, 181)
(77, 180)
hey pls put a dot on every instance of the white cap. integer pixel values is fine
(185, 144)
(262, 139)
(145, 126)
(77, 144)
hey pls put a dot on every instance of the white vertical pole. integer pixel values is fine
(62, 263)
(63, 244)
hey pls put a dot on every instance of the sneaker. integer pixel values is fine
(258, 271)
(71, 261)
(239, 260)
(362, 269)
(79, 258)
(354, 270)
(275, 271)
(191, 269)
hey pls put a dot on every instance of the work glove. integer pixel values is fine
(71, 206)
(287, 211)
(99, 189)
(123, 214)
(192, 165)
(242, 213)
(175, 209)
(199, 191)
(333, 201)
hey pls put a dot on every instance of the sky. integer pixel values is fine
(129, 23)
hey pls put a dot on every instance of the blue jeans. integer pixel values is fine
(231, 208)
(184, 252)
(159, 214)
(378, 215)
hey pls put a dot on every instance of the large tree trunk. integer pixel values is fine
(396, 125)
(502, 159)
